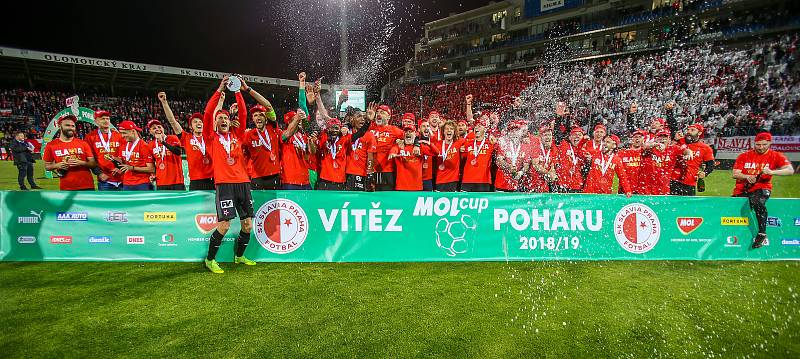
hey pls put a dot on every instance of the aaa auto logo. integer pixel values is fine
(637, 228)
(281, 226)
(688, 224)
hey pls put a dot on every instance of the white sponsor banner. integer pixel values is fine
(135, 66)
(730, 147)
(547, 5)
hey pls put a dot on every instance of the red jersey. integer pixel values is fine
(515, 156)
(357, 154)
(427, 167)
(105, 144)
(75, 178)
(632, 163)
(225, 151)
(591, 146)
(601, 174)
(333, 158)
(263, 151)
(169, 166)
(478, 166)
(385, 139)
(197, 157)
(547, 158)
(409, 167)
(751, 163)
(295, 159)
(568, 165)
(137, 154)
(449, 160)
(689, 167)
(654, 174)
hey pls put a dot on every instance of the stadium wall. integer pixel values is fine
(314, 226)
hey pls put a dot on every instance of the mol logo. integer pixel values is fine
(205, 222)
(637, 228)
(281, 226)
(443, 206)
(689, 224)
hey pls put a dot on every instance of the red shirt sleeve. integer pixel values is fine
(708, 154)
(173, 140)
(208, 115)
(779, 161)
(740, 160)
(619, 167)
(87, 150)
(48, 153)
(242, 115)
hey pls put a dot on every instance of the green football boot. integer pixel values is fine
(213, 266)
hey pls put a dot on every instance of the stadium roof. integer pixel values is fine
(32, 68)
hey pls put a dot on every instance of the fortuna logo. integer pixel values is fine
(61, 239)
(281, 226)
(637, 228)
(160, 216)
(34, 218)
(72, 216)
(735, 221)
(206, 222)
(121, 217)
(26, 239)
(135, 239)
(688, 224)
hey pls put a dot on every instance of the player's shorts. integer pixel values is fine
(171, 187)
(266, 183)
(355, 183)
(680, 189)
(447, 187)
(324, 185)
(384, 181)
(233, 198)
(205, 184)
(476, 187)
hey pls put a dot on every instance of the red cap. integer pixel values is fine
(333, 122)
(421, 121)
(194, 116)
(481, 121)
(433, 113)
(258, 108)
(289, 116)
(544, 129)
(517, 124)
(462, 121)
(101, 113)
(575, 130)
(764, 136)
(68, 116)
(615, 138)
(698, 127)
(664, 133)
(600, 126)
(153, 122)
(385, 108)
(128, 125)
(642, 133)
(220, 112)
(409, 127)
(660, 120)
(408, 116)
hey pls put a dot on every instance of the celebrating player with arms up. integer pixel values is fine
(200, 169)
(230, 177)
(753, 173)
(262, 144)
(167, 158)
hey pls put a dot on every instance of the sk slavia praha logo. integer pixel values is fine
(281, 226)
(637, 228)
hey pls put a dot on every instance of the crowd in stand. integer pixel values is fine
(732, 92)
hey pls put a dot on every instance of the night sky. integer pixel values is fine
(240, 36)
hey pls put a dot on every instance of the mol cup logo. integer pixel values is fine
(774, 222)
(117, 217)
(160, 216)
(205, 222)
(281, 226)
(689, 224)
(135, 239)
(33, 218)
(637, 228)
(735, 221)
(72, 216)
(26, 239)
(61, 239)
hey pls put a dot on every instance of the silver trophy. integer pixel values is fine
(234, 83)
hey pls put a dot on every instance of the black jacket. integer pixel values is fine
(21, 152)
